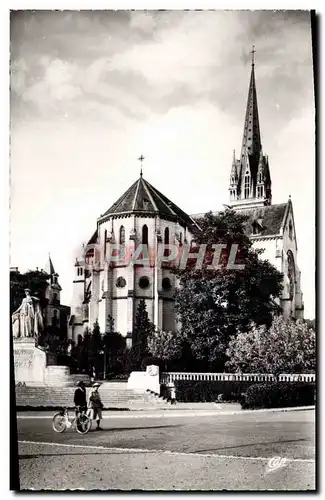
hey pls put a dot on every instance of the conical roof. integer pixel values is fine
(49, 268)
(144, 199)
(251, 144)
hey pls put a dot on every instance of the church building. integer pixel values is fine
(143, 215)
(105, 289)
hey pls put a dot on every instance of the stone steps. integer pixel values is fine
(111, 395)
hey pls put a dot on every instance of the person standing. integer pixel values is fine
(80, 399)
(96, 405)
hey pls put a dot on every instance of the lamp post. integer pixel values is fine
(104, 352)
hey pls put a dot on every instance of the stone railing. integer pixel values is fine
(170, 377)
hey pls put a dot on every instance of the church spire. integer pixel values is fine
(251, 144)
(252, 165)
(49, 268)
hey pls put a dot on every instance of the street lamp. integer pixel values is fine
(104, 352)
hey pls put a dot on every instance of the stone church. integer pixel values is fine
(144, 215)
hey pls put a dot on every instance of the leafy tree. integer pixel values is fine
(143, 329)
(84, 364)
(166, 346)
(95, 347)
(213, 304)
(286, 347)
(311, 323)
(114, 345)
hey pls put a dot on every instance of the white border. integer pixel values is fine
(4, 181)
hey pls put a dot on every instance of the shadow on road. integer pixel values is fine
(251, 444)
(122, 429)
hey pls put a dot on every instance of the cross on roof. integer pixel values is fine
(141, 158)
(253, 54)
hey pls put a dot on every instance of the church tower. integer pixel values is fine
(250, 180)
(56, 314)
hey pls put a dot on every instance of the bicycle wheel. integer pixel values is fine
(59, 422)
(83, 424)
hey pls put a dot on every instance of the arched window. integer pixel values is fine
(290, 230)
(122, 235)
(145, 235)
(181, 238)
(291, 273)
(105, 242)
(246, 186)
(166, 236)
(259, 179)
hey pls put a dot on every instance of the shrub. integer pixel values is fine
(279, 395)
(206, 391)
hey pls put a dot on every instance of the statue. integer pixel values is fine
(27, 320)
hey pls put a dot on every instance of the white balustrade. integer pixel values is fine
(169, 377)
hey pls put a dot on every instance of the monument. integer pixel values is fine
(27, 320)
(33, 365)
(27, 324)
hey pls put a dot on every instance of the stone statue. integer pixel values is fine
(27, 320)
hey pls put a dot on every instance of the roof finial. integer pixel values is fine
(141, 158)
(253, 55)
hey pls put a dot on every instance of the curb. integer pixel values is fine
(185, 413)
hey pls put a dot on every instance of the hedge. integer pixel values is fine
(206, 391)
(279, 395)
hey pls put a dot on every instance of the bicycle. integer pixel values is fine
(80, 422)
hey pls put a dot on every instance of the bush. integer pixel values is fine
(279, 395)
(206, 391)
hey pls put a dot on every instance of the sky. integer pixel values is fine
(93, 90)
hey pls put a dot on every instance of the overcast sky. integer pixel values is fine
(91, 91)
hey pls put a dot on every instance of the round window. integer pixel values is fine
(144, 282)
(166, 284)
(120, 282)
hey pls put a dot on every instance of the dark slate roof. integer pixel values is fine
(49, 268)
(93, 239)
(143, 198)
(268, 218)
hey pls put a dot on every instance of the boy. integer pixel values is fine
(96, 405)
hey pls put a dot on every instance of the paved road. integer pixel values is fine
(173, 453)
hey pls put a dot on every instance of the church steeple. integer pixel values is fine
(251, 144)
(250, 188)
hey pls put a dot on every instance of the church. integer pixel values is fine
(143, 215)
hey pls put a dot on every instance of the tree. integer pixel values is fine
(213, 304)
(84, 363)
(143, 329)
(286, 347)
(311, 323)
(114, 345)
(95, 348)
(166, 346)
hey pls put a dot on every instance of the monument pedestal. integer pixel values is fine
(30, 361)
